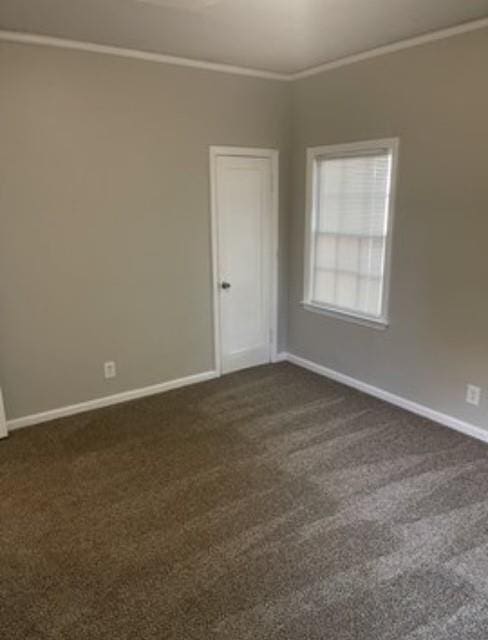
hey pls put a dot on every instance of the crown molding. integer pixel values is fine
(32, 38)
(391, 48)
(62, 43)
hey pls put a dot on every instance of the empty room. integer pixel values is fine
(243, 320)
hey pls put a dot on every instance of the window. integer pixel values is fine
(350, 196)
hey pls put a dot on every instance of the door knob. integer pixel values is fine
(225, 285)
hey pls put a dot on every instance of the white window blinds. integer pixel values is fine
(349, 230)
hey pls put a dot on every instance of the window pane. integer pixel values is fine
(372, 256)
(353, 194)
(348, 254)
(325, 251)
(324, 286)
(347, 287)
(349, 229)
(369, 298)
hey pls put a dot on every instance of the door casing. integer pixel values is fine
(245, 152)
(3, 419)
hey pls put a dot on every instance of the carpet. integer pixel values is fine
(267, 504)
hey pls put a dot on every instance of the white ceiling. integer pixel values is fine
(283, 36)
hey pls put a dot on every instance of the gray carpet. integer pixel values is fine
(267, 504)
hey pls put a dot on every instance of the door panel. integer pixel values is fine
(243, 190)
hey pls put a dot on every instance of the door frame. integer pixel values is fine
(245, 152)
(3, 419)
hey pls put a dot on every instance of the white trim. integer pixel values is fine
(36, 39)
(3, 419)
(32, 38)
(281, 356)
(444, 419)
(457, 30)
(275, 257)
(339, 314)
(344, 150)
(422, 410)
(97, 403)
(246, 152)
(214, 247)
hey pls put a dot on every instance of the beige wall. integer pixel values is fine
(435, 98)
(104, 197)
(104, 220)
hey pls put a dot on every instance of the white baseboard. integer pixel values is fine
(442, 418)
(426, 412)
(281, 356)
(116, 398)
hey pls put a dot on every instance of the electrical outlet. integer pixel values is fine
(473, 394)
(110, 370)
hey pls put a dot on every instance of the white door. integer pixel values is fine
(243, 218)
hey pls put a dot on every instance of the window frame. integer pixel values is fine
(314, 154)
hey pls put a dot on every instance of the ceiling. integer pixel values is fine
(284, 36)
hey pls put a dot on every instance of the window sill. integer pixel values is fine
(380, 324)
